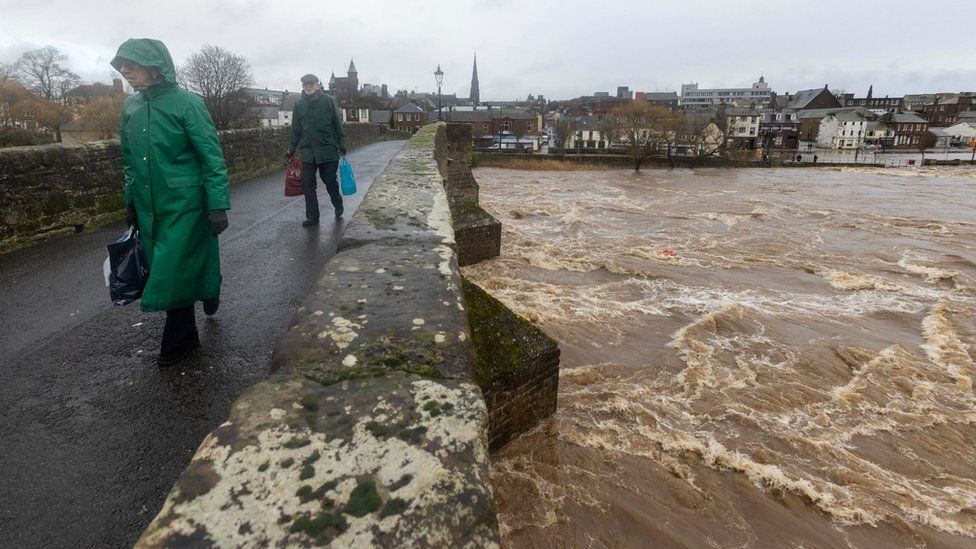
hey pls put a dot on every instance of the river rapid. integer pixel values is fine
(750, 358)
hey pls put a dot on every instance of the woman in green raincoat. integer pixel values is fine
(175, 191)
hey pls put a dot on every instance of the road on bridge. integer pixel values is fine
(93, 433)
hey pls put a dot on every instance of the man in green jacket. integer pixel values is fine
(316, 129)
(175, 192)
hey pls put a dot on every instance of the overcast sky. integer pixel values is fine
(561, 49)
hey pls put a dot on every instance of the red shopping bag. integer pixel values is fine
(293, 177)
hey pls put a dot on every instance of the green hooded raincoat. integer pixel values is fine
(174, 175)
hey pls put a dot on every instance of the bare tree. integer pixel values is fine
(43, 70)
(215, 74)
(642, 129)
(926, 140)
(8, 72)
(12, 95)
(613, 129)
(561, 130)
(701, 132)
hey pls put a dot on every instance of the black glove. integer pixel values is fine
(218, 221)
(342, 151)
(288, 155)
(131, 219)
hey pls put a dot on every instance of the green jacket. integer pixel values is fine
(316, 125)
(174, 175)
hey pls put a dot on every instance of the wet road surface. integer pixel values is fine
(93, 433)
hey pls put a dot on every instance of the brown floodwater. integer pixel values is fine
(750, 358)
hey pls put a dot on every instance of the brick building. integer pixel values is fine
(945, 109)
(668, 100)
(409, 118)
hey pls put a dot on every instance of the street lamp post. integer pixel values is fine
(439, 76)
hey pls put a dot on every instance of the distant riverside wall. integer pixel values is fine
(373, 429)
(57, 189)
(500, 159)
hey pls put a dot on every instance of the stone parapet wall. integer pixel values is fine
(51, 190)
(372, 431)
(459, 173)
(373, 428)
(516, 365)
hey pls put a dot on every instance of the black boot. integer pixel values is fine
(180, 336)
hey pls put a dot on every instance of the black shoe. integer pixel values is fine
(339, 211)
(169, 360)
(210, 306)
(310, 222)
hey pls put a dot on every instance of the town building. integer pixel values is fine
(517, 122)
(912, 102)
(879, 135)
(378, 116)
(81, 95)
(782, 126)
(703, 136)
(693, 97)
(600, 103)
(265, 97)
(409, 118)
(478, 119)
(427, 101)
(287, 107)
(844, 130)
(345, 88)
(741, 127)
(588, 133)
(908, 127)
(877, 104)
(962, 133)
(668, 100)
(808, 124)
(945, 109)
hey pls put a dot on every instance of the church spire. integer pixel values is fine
(352, 67)
(475, 87)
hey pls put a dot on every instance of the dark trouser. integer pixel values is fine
(179, 332)
(329, 174)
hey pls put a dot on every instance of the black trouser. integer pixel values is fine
(179, 332)
(329, 174)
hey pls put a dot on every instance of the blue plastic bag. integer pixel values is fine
(348, 179)
(128, 268)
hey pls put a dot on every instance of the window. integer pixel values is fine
(486, 127)
(506, 125)
(399, 118)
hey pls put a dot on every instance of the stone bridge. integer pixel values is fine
(394, 381)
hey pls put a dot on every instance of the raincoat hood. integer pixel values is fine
(148, 53)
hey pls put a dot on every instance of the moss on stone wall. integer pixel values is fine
(503, 341)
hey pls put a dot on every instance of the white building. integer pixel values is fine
(355, 114)
(588, 133)
(843, 130)
(696, 98)
(742, 127)
(963, 132)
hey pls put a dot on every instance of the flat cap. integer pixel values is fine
(310, 79)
